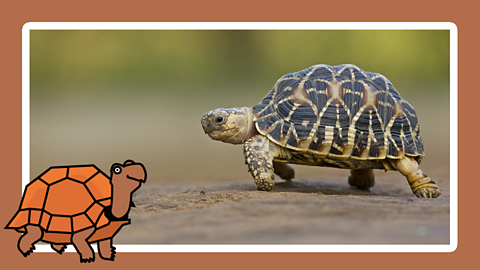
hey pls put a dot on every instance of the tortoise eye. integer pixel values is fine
(220, 120)
(117, 170)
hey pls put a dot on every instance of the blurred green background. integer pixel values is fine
(101, 96)
(60, 59)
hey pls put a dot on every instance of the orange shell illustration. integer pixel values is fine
(66, 200)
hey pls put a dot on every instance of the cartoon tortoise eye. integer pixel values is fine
(117, 170)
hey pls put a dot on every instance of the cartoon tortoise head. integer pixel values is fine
(77, 205)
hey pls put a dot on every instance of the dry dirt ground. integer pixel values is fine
(326, 211)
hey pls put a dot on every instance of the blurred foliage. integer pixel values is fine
(203, 59)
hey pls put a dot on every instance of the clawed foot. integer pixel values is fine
(422, 185)
(428, 192)
(264, 181)
(58, 248)
(26, 250)
(112, 255)
(87, 260)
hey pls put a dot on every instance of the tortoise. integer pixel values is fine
(77, 205)
(333, 116)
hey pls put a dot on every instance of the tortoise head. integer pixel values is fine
(233, 125)
(129, 170)
(125, 178)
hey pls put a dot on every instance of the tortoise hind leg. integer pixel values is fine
(362, 179)
(59, 248)
(284, 170)
(420, 183)
(26, 243)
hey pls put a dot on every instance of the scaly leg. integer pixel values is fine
(362, 179)
(259, 161)
(284, 170)
(83, 248)
(420, 183)
(106, 250)
(26, 243)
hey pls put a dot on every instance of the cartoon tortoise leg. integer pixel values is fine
(106, 249)
(420, 183)
(59, 248)
(362, 179)
(83, 248)
(26, 243)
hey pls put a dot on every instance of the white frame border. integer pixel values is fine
(260, 26)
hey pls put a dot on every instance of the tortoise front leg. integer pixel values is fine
(79, 241)
(259, 162)
(420, 183)
(106, 249)
(362, 179)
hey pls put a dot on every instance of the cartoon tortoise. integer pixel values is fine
(77, 205)
(334, 116)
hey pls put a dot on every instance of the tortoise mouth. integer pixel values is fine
(137, 172)
(136, 179)
(223, 135)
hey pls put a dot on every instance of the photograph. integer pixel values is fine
(306, 138)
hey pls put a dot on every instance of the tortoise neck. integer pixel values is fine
(122, 197)
(251, 129)
(120, 203)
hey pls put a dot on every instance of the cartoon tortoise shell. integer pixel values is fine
(77, 205)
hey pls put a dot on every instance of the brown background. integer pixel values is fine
(14, 15)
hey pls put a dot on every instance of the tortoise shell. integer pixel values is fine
(66, 200)
(341, 112)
